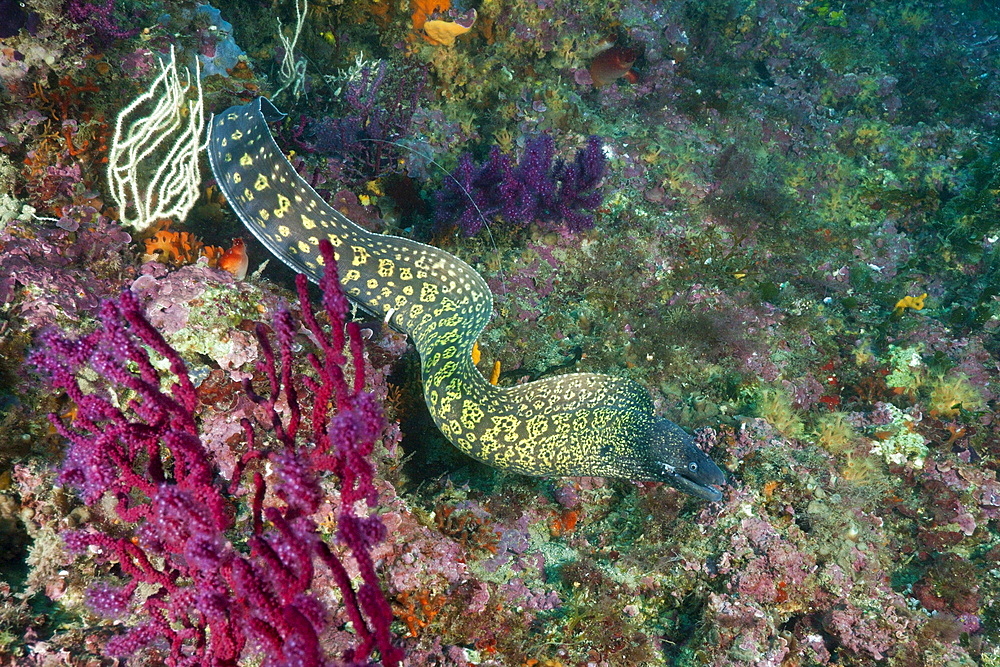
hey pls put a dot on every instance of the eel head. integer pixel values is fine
(677, 460)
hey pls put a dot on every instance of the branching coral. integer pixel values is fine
(147, 185)
(379, 103)
(533, 190)
(139, 445)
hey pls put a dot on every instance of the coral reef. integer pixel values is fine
(787, 233)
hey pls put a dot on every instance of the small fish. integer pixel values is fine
(235, 260)
(612, 64)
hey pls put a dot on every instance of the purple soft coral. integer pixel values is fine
(379, 108)
(532, 191)
(101, 18)
(216, 602)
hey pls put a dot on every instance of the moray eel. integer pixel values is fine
(580, 424)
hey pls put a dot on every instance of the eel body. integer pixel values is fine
(580, 424)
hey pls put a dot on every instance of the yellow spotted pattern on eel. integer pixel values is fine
(542, 427)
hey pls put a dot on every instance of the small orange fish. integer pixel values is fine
(612, 64)
(235, 260)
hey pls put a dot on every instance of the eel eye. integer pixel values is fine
(692, 467)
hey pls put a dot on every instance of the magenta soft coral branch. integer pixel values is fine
(214, 602)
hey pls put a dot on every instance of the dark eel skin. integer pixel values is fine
(579, 424)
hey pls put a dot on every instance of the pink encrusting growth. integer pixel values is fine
(214, 603)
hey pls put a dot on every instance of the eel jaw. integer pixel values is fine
(707, 492)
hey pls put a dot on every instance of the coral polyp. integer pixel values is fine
(950, 395)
